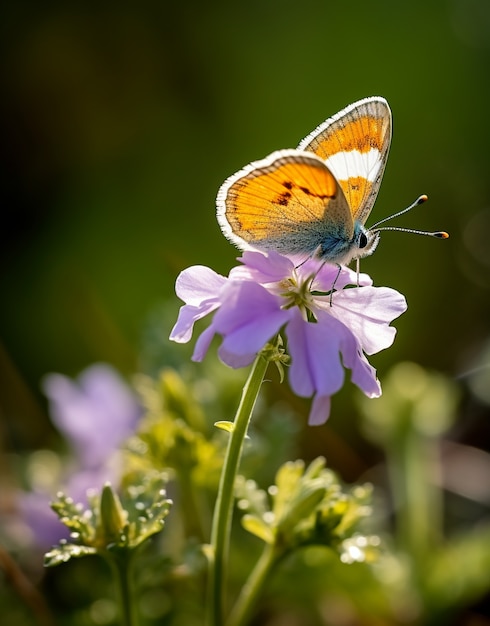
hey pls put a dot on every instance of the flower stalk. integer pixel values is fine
(220, 533)
(253, 587)
(120, 561)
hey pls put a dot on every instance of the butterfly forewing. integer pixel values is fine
(284, 202)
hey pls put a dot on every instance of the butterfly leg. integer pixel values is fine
(335, 280)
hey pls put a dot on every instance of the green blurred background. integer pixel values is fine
(120, 120)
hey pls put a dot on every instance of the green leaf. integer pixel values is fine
(258, 527)
(225, 425)
(287, 479)
(66, 551)
(301, 507)
(147, 507)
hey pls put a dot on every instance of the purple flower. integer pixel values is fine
(325, 331)
(95, 415)
(41, 525)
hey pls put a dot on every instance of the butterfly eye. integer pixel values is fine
(363, 240)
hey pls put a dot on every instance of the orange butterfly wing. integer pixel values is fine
(288, 202)
(354, 144)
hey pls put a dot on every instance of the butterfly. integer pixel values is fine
(313, 201)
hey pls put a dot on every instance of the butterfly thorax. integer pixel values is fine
(339, 249)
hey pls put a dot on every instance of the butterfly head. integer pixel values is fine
(367, 241)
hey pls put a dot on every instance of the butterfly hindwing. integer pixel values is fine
(354, 144)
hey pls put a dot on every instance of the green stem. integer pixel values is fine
(246, 601)
(220, 534)
(412, 462)
(121, 565)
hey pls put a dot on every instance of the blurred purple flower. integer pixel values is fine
(95, 415)
(44, 528)
(325, 332)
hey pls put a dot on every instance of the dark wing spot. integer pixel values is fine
(288, 184)
(283, 198)
(306, 191)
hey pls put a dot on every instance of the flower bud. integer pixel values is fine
(113, 518)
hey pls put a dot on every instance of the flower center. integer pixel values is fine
(297, 292)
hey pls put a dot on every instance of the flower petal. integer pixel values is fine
(367, 311)
(326, 275)
(249, 317)
(203, 342)
(315, 354)
(263, 267)
(364, 376)
(188, 316)
(198, 283)
(363, 373)
(320, 410)
(236, 361)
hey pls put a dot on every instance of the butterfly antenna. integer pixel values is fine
(441, 234)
